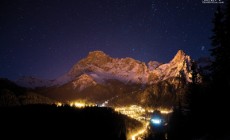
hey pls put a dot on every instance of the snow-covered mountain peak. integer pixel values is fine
(96, 57)
(100, 65)
(180, 56)
(179, 65)
(96, 54)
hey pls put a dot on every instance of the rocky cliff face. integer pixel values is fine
(179, 66)
(102, 67)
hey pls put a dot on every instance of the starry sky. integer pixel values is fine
(45, 38)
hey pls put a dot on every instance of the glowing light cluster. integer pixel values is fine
(104, 104)
(163, 111)
(58, 104)
(132, 111)
(156, 121)
(76, 104)
(166, 111)
(81, 104)
(140, 132)
(138, 113)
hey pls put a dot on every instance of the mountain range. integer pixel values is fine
(98, 67)
(99, 78)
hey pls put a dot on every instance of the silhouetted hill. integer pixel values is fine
(12, 95)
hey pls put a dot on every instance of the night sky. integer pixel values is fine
(44, 38)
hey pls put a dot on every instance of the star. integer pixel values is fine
(202, 48)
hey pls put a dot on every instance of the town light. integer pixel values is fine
(156, 121)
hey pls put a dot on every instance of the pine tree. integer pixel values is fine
(227, 39)
(220, 52)
(217, 43)
(194, 70)
(221, 49)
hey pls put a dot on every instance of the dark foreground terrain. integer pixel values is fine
(49, 121)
